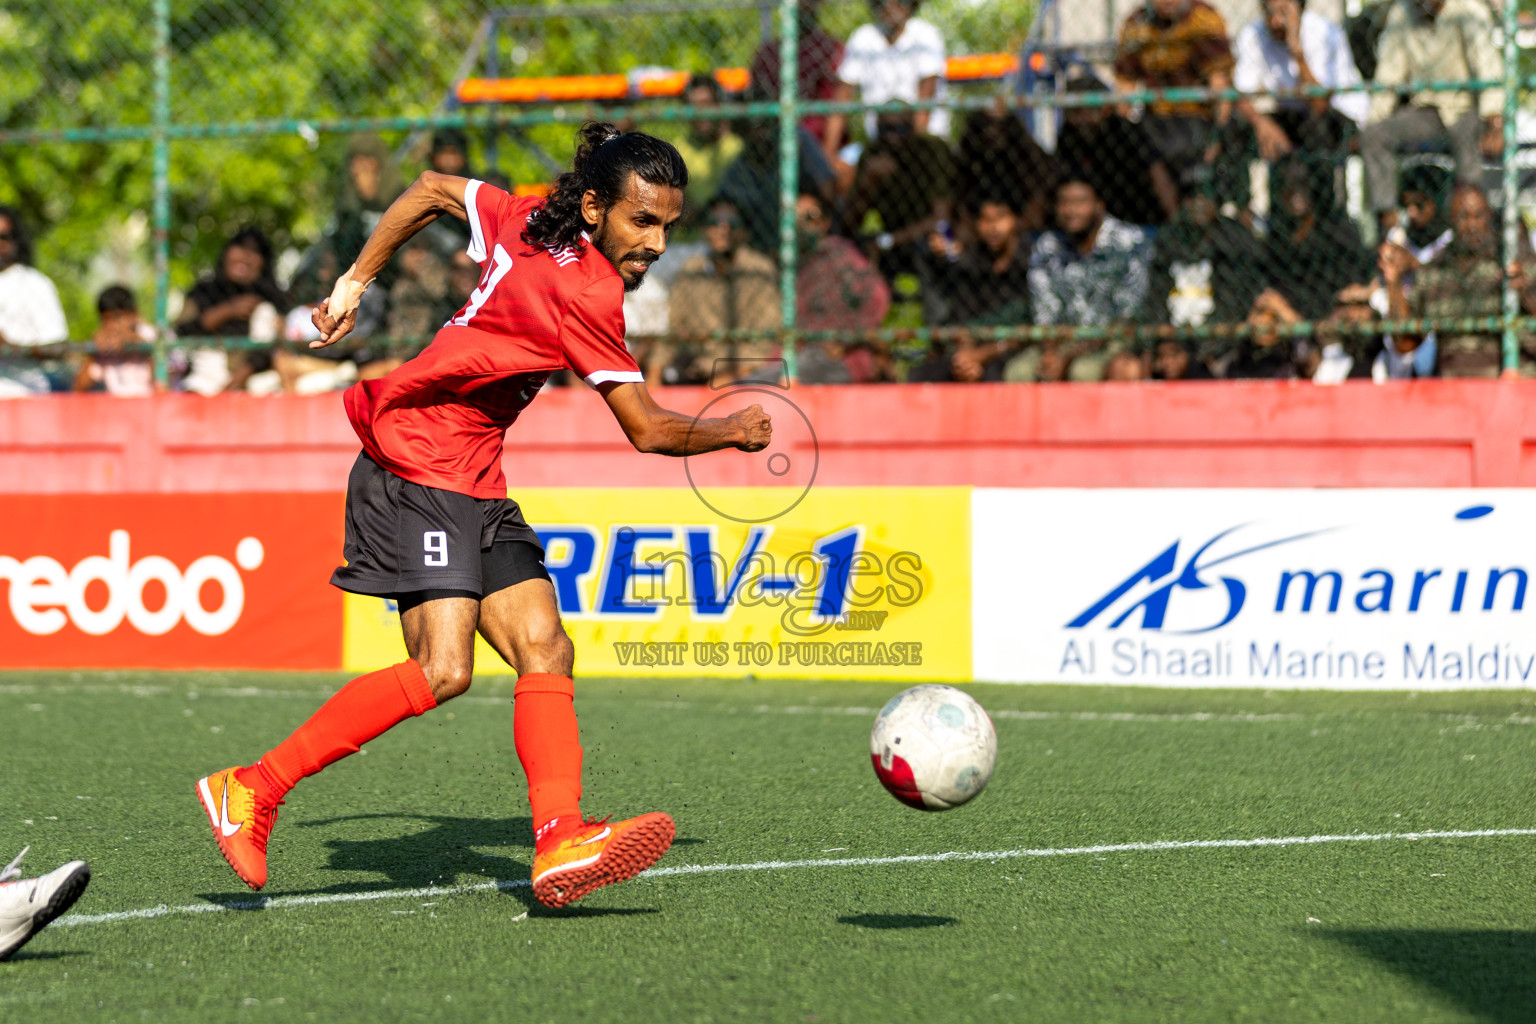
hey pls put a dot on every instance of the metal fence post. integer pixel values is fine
(162, 187)
(1511, 184)
(789, 172)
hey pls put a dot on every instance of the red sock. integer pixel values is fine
(367, 707)
(544, 729)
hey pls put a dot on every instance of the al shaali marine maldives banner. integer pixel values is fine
(1347, 589)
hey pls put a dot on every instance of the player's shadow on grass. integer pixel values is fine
(887, 922)
(1490, 973)
(430, 850)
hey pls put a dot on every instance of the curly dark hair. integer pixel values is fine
(605, 158)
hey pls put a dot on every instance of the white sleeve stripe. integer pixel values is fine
(615, 376)
(476, 250)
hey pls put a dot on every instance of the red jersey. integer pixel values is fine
(441, 418)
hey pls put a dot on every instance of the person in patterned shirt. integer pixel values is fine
(1090, 271)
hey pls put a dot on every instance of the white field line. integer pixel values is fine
(281, 902)
(1470, 721)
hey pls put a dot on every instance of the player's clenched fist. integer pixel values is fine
(756, 427)
(335, 317)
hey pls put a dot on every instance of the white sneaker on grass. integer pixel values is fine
(27, 905)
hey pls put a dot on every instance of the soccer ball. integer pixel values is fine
(933, 747)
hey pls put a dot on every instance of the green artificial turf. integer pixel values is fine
(102, 766)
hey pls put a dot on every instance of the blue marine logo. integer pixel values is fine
(1165, 576)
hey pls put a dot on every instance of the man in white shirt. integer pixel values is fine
(30, 313)
(1290, 47)
(897, 57)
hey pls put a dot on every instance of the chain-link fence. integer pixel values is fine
(951, 193)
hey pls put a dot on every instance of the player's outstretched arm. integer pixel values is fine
(650, 428)
(429, 197)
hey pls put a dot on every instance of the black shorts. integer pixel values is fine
(404, 538)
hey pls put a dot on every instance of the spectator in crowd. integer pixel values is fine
(708, 146)
(1432, 40)
(986, 282)
(449, 155)
(1466, 280)
(30, 313)
(119, 372)
(751, 184)
(1424, 234)
(1179, 44)
(836, 289)
(1290, 47)
(1206, 269)
(730, 287)
(1314, 250)
(816, 66)
(901, 190)
(996, 156)
(895, 57)
(240, 299)
(371, 182)
(1091, 270)
(1118, 154)
(1312, 254)
(1174, 359)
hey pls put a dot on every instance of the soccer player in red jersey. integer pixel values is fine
(428, 520)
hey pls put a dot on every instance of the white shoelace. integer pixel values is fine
(13, 869)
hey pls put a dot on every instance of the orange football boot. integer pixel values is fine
(240, 827)
(567, 865)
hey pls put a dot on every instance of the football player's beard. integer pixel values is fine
(618, 260)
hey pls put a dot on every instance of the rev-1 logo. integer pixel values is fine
(1165, 576)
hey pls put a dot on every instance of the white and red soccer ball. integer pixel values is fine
(933, 747)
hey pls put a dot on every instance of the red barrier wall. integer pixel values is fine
(1199, 434)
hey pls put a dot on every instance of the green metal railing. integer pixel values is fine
(163, 129)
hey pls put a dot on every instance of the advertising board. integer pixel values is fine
(1337, 589)
(170, 581)
(850, 583)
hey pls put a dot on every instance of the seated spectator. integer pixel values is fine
(118, 372)
(1091, 270)
(1466, 280)
(730, 287)
(981, 283)
(30, 313)
(1424, 195)
(1432, 40)
(751, 184)
(1287, 48)
(708, 146)
(998, 157)
(370, 182)
(816, 67)
(1175, 360)
(1178, 44)
(986, 281)
(1269, 352)
(1206, 269)
(895, 57)
(1313, 250)
(1118, 154)
(836, 288)
(449, 155)
(240, 299)
(901, 191)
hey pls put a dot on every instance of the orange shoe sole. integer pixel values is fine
(205, 798)
(640, 846)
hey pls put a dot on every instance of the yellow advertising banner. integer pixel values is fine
(850, 583)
